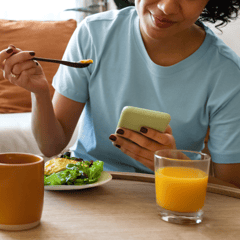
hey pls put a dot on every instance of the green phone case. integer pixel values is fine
(134, 118)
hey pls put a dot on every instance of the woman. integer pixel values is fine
(152, 56)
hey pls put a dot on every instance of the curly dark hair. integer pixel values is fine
(215, 10)
(220, 10)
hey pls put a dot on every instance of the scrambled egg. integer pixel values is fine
(86, 61)
(56, 165)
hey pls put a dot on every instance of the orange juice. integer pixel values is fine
(180, 189)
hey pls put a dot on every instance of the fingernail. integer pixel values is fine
(120, 131)
(9, 50)
(32, 53)
(143, 130)
(118, 146)
(113, 138)
(12, 46)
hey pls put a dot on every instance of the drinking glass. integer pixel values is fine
(181, 179)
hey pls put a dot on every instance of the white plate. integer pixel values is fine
(104, 178)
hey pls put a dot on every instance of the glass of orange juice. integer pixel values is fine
(181, 179)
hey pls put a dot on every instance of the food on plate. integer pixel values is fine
(56, 165)
(86, 61)
(71, 171)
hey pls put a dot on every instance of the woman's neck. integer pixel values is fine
(170, 51)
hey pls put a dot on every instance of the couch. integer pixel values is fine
(48, 39)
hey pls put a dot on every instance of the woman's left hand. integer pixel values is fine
(142, 146)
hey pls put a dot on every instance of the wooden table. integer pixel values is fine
(126, 209)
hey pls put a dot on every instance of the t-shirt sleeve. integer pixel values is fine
(73, 82)
(224, 140)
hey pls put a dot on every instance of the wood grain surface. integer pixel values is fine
(215, 185)
(126, 209)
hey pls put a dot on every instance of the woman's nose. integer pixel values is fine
(169, 7)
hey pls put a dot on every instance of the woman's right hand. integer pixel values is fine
(20, 70)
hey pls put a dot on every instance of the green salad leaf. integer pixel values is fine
(81, 173)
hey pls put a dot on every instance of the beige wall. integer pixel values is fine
(111, 4)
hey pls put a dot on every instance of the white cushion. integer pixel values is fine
(16, 134)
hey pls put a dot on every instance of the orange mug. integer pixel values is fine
(21, 190)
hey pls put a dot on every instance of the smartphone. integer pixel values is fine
(134, 118)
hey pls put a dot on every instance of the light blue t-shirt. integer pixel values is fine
(202, 90)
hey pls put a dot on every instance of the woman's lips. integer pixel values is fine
(162, 22)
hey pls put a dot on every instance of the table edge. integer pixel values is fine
(144, 177)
